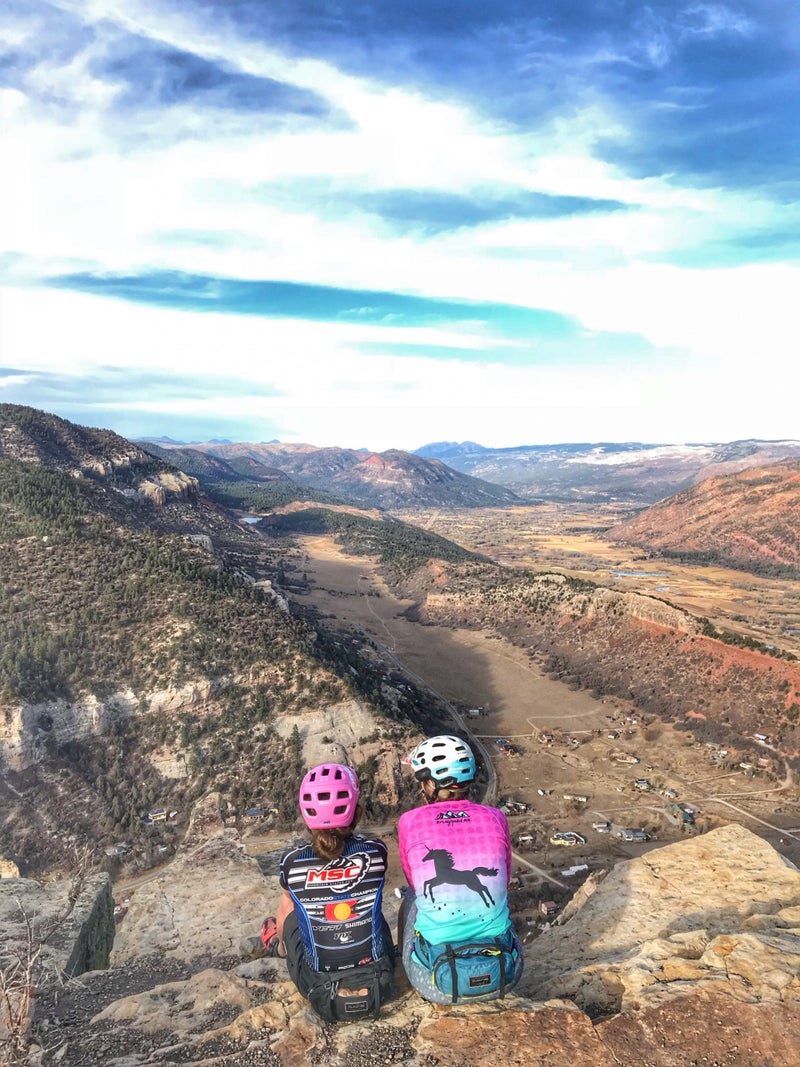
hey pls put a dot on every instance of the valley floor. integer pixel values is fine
(568, 539)
(475, 668)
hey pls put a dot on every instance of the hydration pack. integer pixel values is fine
(470, 970)
(325, 996)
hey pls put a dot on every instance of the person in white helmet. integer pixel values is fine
(457, 938)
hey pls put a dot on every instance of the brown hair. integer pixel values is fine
(450, 792)
(329, 842)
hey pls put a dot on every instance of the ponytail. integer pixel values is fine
(329, 842)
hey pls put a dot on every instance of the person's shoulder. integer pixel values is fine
(413, 814)
(362, 841)
(294, 851)
(489, 812)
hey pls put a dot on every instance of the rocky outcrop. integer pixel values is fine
(27, 731)
(168, 484)
(72, 924)
(346, 732)
(687, 956)
(644, 608)
(48, 934)
(719, 913)
(8, 869)
(211, 896)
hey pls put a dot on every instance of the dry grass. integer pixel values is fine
(565, 539)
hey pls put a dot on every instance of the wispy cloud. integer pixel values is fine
(589, 203)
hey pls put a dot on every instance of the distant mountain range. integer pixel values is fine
(208, 467)
(605, 472)
(391, 479)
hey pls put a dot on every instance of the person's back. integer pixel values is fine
(329, 926)
(337, 902)
(457, 937)
(457, 858)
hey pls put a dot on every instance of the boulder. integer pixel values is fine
(717, 912)
(73, 923)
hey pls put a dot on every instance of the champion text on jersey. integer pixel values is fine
(340, 876)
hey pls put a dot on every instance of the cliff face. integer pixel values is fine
(688, 956)
(27, 731)
(633, 646)
(76, 922)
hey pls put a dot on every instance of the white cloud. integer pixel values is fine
(326, 391)
(87, 193)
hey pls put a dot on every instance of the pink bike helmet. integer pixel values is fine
(329, 796)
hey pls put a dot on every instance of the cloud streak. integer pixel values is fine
(509, 207)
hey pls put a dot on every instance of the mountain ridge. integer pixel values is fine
(602, 472)
(749, 519)
(390, 479)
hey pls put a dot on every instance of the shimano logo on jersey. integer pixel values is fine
(340, 876)
(452, 816)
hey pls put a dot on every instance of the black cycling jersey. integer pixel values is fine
(338, 902)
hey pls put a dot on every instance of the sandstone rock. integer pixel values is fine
(542, 1037)
(687, 957)
(48, 933)
(679, 914)
(348, 723)
(8, 869)
(192, 1007)
(702, 1030)
(77, 935)
(211, 896)
(27, 730)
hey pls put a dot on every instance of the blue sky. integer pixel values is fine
(380, 225)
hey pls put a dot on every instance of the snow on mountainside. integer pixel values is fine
(601, 472)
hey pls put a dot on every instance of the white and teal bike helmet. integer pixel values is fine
(446, 759)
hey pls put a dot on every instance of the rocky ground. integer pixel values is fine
(688, 957)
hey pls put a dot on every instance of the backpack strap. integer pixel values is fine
(499, 943)
(451, 959)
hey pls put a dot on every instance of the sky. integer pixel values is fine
(380, 225)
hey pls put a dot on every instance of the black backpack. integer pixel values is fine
(326, 1000)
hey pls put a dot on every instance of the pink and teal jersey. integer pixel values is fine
(457, 858)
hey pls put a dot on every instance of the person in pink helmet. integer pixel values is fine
(329, 926)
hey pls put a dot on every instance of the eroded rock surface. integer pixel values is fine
(211, 896)
(687, 957)
(718, 912)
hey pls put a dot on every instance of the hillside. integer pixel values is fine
(145, 654)
(391, 479)
(244, 483)
(749, 520)
(607, 472)
(400, 547)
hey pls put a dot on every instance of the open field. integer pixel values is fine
(474, 669)
(568, 539)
